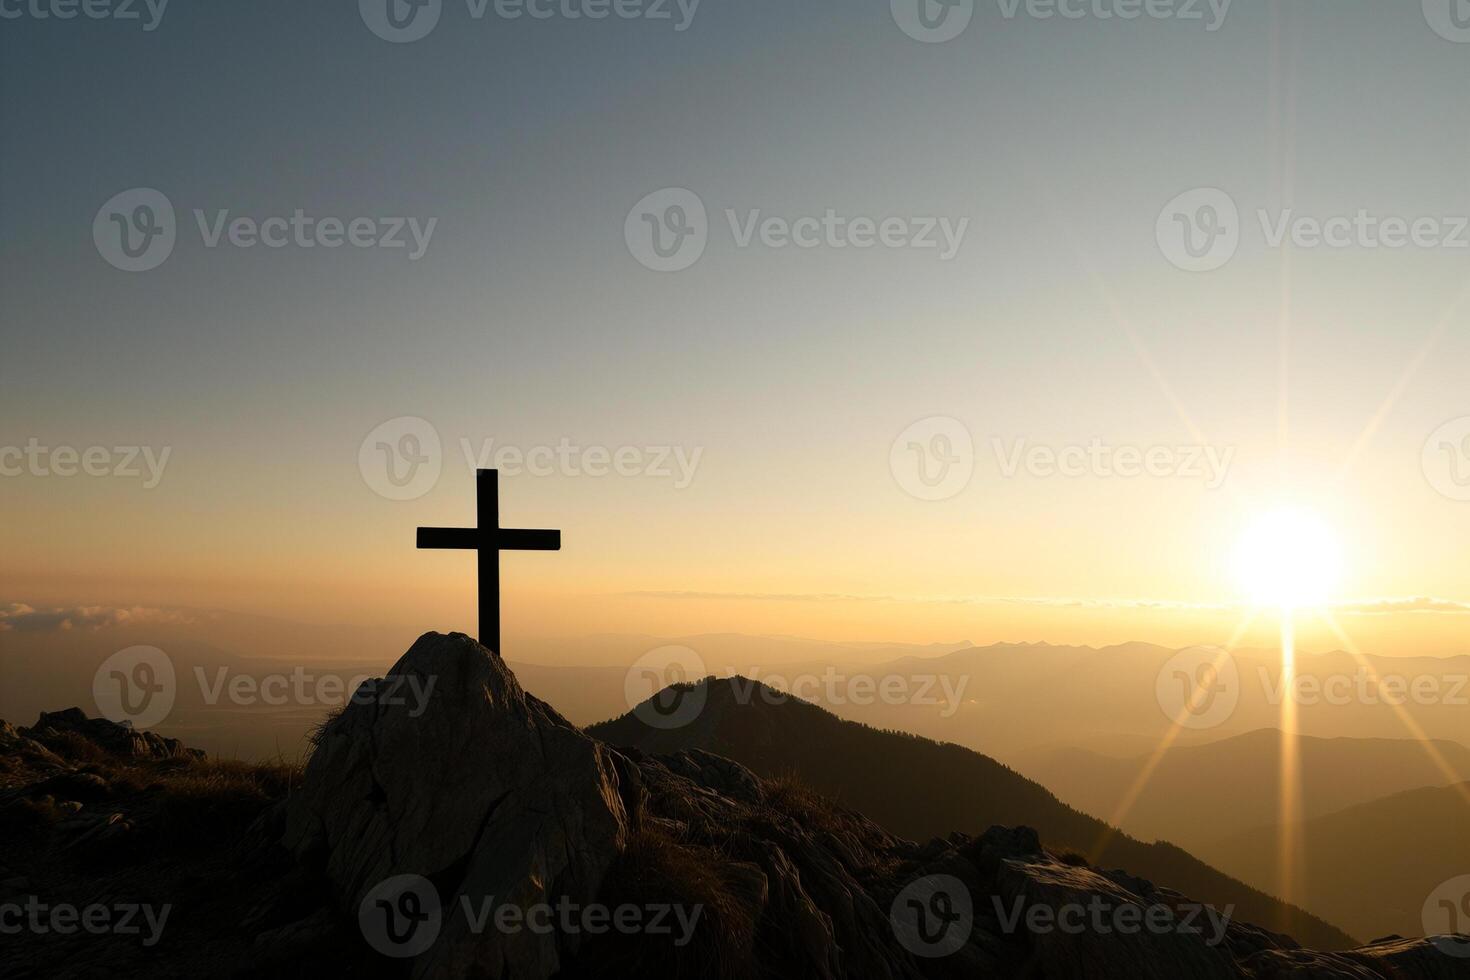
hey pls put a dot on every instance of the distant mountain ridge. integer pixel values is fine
(1197, 794)
(920, 789)
(1370, 867)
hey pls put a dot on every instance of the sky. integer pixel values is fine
(772, 404)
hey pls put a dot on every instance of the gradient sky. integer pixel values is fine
(528, 321)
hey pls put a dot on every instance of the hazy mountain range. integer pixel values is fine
(1197, 794)
(1082, 722)
(489, 802)
(1368, 868)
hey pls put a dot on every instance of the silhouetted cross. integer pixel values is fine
(489, 539)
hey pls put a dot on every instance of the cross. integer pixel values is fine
(488, 539)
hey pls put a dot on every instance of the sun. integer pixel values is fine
(1289, 558)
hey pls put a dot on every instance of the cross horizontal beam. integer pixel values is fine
(471, 539)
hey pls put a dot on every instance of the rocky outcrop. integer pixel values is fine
(487, 793)
(54, 727)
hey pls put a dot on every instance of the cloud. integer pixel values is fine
(1412, 604)
(1359, 607)
(21, 618)
(1047, 601)
(761, 596)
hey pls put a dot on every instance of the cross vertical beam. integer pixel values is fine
(487, 518)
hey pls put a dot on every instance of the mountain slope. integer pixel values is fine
(1198, 794)
(1370, 867)
(921, 789)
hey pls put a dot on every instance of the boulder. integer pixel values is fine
(482, 790)
(54, 727)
